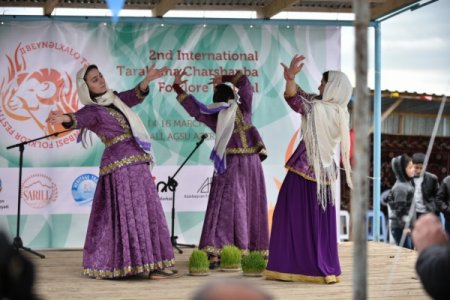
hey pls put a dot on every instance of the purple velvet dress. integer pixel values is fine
(303, 241)
(237, 206)
(127, 232)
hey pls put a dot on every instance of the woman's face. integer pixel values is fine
(322, 86)
(410, 169)
(95, 82)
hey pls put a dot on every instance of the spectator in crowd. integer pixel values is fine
(231, 289)
(16, 273)
(433, 263)
(425, 187)
(400, 200)
(443, 201)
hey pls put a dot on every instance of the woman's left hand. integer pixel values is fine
(152, 74)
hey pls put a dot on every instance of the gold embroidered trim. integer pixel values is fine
(116, 139)
(217, 251)
(139, 93)
(120, 118)
(123, 162)
(181, 97)
(259, 148)
(304, 175)
(241, 127)
(127, 271)
(301, 174)
(303, 278)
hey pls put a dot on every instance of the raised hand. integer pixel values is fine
(154, 73)
(295, 67)
(56, 117)
(178, 77)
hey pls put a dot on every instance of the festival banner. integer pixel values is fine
(38, 64)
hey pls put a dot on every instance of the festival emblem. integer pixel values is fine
(38, 190)
(83, 189)
(28, 94)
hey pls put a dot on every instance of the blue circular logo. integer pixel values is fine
(83, 188)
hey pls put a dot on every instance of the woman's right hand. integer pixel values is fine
(178, 77)
(295, 67)
(56, 117)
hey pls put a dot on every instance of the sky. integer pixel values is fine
(415, 45)
(415, 50)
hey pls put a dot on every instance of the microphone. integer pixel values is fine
(202, 139)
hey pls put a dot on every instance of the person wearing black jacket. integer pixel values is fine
(400, 198)
(443, 201)
(433, 262)
(425, 187)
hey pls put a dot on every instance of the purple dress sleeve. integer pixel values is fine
(190, 105)
(134, 96)
(298, 162)
(300, 102)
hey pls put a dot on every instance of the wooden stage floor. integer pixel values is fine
(59, 277)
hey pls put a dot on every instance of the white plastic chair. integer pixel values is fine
(344, 232)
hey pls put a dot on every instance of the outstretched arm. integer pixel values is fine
(190, 103)
(297, 99)
(152, 74)
(137, 94)
(289, 73)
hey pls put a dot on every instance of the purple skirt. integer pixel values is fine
(303, 241)
(127, 232)
(237, 208)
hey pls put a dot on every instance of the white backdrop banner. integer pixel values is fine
(38, 63)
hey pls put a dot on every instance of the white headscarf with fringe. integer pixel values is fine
(137, 127)
(224, 129)
(323, 128)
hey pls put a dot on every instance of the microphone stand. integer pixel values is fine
(17, 242)
(172, 184)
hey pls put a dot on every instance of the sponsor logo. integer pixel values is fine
(202, 191)
(3, 204)
(83, 188)
(38, 191)
(32, 87)
(206, 186)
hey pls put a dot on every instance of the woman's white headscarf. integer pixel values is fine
(137, 127)
(224, 129)
(326, 125)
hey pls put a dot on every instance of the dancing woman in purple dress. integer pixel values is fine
(303, 242)
(127, 232)
(237, 204)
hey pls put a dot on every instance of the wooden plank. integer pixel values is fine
(163, 7)
(388, 7)
(59, 277)
(49, 6)
(274, 8)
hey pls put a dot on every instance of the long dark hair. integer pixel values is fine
(222, 93)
